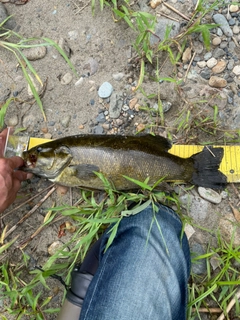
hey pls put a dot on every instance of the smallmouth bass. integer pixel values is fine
(72, 161)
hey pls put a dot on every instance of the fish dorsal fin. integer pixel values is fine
(143, 142)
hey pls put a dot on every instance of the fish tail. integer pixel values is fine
(206, 164)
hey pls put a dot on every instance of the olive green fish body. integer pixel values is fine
(73, 161)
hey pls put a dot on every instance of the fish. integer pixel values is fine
(74, 161)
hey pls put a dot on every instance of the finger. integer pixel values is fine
(20, 175)
(15, 162)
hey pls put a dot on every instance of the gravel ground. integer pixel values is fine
(101, 98)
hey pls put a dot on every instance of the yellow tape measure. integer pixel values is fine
(230, 164)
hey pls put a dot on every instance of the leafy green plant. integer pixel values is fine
(219, 286)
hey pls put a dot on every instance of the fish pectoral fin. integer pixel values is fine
(84, 171)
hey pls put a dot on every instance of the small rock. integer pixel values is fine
(236, 70)
(216, 41)
(160, 29)
(105, 90)
(209, 195)
(100, 118)
(79, 81)
(132, 103)
(218, 52)
(207, 56)
(106, 126)
(48, 136)
(35, 53)
(44, 130)
(211, 63)
(81, 126)
(137, 107)
(166, 106)
(236, 29)
(215, 261)
(66, 79)
(72, 35)
(219, 67)
(201, 64)
(119, 122)
(189, 230)
(200, 266)
(62, 190)
(118, 76)
(115, 106)
(55, 247)
(11, 23)
(155, 3)
(232, 22)
(205, 74)
(65, 121)
(98, 130)
(12, 121)
(233, 8)
(223, 23)
(217, 82)
(125, 108)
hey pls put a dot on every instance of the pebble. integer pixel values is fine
(201, 64)
(35, 53)
(216, 41)
(98, 130)
(12, 121)
(132, 103)
(233, 8)
(200, 266)
(211, 62)
(66, 79)
(207, 55)
(205, 74)
(230, 64)
(79, 81)
(81, 126)
(48, 136)
(100, 118)
(236, 29)
(115, 106)
(11, 23)
(223, 23)
(65, 121)
(217, 82)
(209, 195)
(140, 127)
(231, 22)
(105, 90)
(218, 52)
(219, 67)
(73, 35)
(236, 70)
(118, 76)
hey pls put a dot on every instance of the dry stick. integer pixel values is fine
(230, 305)
(24, 243)
(30, 212)
(208, 310)
(189, 66)
(176, 11)
(167, 16)
(25, 202)
(81, 9)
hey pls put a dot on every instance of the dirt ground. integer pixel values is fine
(98, 48)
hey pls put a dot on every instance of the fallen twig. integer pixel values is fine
(230, 305)
(208, 310)
(31, 211)
(176, 11)
(189, 66)
(25, 202)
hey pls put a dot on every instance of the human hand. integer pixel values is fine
(10, 178)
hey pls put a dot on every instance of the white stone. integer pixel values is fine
(236, 70)
(201, 64)
(233, 8)
(209, 195)
(216, 41)
(211, 62)
(189, 230)
(236, 29)
(66, 79)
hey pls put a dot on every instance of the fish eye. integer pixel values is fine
(39, 149)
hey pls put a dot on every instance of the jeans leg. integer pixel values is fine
(144, 273)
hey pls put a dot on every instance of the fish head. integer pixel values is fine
(46, 161)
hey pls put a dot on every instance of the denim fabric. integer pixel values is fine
(144, 273)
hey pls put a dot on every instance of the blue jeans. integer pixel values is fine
(144, 273)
